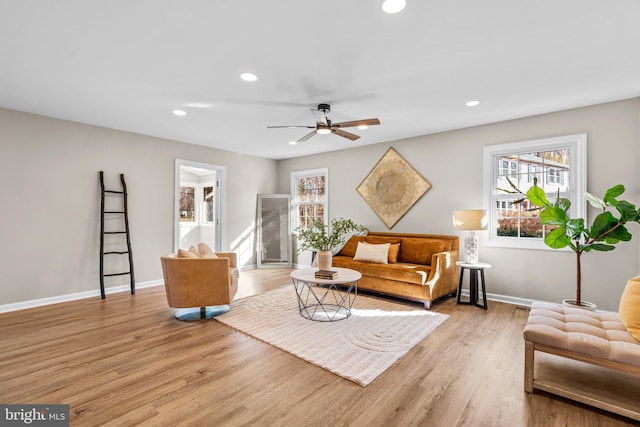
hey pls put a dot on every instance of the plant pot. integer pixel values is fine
(585, 305)
(324, 260)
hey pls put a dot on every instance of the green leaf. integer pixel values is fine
(557, 239)
(575, 227)
(553, 215)
(594, 201)
(563, 204)
(599, 247)
(619, 234)
(537, 197)
(612, 193)
(627, 211)
(602, 223)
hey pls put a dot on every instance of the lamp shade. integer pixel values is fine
(475, 219)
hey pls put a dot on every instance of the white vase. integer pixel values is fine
(586, 305)
(324, 260)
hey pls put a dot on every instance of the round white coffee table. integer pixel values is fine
(325, 300)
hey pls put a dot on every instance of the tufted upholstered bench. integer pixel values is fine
(594, 338)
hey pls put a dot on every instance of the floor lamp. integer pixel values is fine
(470, 220)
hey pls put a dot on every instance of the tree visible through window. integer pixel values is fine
(187, 204)
(309, 190)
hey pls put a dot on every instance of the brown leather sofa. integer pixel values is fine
(207, 284)
(421, 267)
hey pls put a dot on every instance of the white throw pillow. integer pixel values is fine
(372, 253)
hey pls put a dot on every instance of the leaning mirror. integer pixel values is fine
(274, 231)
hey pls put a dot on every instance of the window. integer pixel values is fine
(202, 212)
(207, 204)
(559, 167)
(187, 205)
(309, 197)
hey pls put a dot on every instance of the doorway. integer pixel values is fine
(198, 208)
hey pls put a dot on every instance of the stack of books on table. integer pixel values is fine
(326, 274)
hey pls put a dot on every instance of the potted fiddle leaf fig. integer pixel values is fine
(323, 238)
(608, 227)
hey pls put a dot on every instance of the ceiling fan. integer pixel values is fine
(325, 126)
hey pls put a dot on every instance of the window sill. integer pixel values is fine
(521, 244)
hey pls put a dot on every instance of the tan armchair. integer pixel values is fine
(200, 287)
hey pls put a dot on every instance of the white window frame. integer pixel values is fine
(295, 176)
(577, 145)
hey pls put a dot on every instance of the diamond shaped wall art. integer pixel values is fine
(392, 187)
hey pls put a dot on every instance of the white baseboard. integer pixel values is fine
(524, 302)
(75, 296)
(125, 288)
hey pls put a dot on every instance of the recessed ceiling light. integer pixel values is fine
(393, 6)
(179, 112)
(473, 103)
(248, 77)
(199, 105)
(363, 127)
(293, 142)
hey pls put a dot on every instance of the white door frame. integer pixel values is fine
(220, 206)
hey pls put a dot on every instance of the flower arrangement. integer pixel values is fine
(321, 237)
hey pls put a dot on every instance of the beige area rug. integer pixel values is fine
(358, 348)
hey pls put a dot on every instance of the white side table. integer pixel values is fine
(473, 283)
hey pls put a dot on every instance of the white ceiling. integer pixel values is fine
(126, 64)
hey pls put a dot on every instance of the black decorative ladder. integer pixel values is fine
(122, 193)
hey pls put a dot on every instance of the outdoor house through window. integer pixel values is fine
(309, 201)
(558, 165)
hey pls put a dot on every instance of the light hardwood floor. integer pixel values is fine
(127, 361)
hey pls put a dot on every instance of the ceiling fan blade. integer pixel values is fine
(344, 134)
(365, 122)
(321, 117)
(307, 136)
(292, 127)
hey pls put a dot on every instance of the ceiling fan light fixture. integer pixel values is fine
(393, 6)
(324, 126)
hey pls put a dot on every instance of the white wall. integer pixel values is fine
(49, 221)
(50, 216)
(452, 163)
